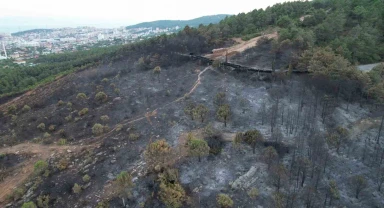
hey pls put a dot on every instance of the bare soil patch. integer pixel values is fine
(241, 46)
(22, 171)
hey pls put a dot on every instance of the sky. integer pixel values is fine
(29, 14)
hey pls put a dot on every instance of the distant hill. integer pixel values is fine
(205, 20)
(31, 31)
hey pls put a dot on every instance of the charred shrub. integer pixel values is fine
(280, 147)
(215, 143)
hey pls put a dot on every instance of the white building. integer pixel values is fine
(29, 44)
(68, 40)
(100, 37)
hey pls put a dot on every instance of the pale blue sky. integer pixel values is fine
(114, 13)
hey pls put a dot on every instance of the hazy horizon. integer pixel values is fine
(25, 14)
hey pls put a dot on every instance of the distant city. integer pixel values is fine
(26, 45)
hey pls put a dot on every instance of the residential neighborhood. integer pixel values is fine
(27, 45)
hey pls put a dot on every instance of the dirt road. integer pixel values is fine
(25, 169)
(239, 47)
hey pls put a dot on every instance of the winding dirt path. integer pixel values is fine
(42, 152)
(139, 166)
(153, 113)
(197, 83)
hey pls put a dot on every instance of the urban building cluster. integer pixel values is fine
(24, 46)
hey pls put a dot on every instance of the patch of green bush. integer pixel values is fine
(86, 178)
(76, 188)
(68, 118)
(101, 97)
(52, 128)
(40, 166)
(133, 136)
(60, 103)
(28, 205)
(41, 126)
(98, 129)
(224, 201)
(83, 112)
(104, 118)
(11, 109)
(62, 142)
(26, 108)
(82, 96)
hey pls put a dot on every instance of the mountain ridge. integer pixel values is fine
(205, 20)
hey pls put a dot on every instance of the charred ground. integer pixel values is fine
(144, 107)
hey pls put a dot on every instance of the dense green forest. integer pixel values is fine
(15, 78)
(352, 31)
(353, 28)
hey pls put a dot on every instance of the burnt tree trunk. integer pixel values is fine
(381, 127)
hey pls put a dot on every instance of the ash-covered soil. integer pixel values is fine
(151, 107)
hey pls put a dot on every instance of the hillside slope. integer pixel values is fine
(146, 125)
(141, 107)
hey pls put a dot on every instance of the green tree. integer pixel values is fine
(224, 201)
(284, 21)
(201, 111)
(189, 109)
(77, 188)
(123, 185)
(198, 148)
(223, 113)
(43, 201)
(253, 193)
(171, 194)
(253, 137)
(157, 155)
